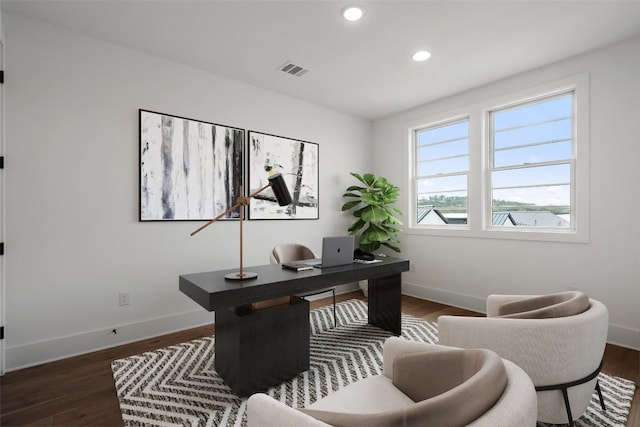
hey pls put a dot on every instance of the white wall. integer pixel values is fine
(464, 271)
(73, 238)
(2, 202)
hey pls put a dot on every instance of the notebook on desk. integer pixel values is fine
(337, 250)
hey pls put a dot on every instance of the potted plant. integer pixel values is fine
(376, 220)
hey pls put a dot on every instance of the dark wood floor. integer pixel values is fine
(79, 391)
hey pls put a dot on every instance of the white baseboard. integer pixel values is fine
(37, 353)
(624, 337)
(454, 299)
(617, 335)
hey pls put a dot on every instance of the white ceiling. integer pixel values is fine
(361, 68)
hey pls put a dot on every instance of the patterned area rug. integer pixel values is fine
(177, 385)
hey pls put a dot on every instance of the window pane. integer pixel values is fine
(535, 112)
(549, 131)
(533, 154)
(540, 175)
(457, 183)
(546, 206)
(446, 208)
(441, 171)
(443, 133)
(534, 197)
(457, 164)
(446, 149)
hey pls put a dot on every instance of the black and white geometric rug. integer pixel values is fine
(177, 385)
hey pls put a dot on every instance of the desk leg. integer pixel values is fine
(257, 350)
(385, 303)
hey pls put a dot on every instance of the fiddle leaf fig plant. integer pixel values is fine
(376, 220)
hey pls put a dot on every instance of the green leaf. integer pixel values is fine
(373, 214)
(369, 179)
(358, 177)
(392, 247)
(351, 195)
(358, 213)
(382, 183)
(373, 234)
(356, 188)
(393, 220)
(356, 226)
(370, 199)
(396, 211)
(350, 205)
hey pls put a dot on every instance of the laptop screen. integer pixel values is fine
(337, 250)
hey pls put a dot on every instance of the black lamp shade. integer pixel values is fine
(280, 189)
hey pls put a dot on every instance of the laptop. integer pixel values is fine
(337, 250)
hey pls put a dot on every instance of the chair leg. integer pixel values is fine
(335, 319)
(565, 386)
(600, 396)
(565, 395)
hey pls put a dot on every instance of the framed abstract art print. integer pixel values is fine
(189, 169)
(297, 161)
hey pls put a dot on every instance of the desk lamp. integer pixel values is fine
(279, 187)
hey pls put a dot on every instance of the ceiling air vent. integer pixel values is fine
(293, 69)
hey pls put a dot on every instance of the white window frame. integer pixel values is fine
(416, 156)
(479, 182)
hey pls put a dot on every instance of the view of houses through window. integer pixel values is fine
(529, 166)
(442, 172)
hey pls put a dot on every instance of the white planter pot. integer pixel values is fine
(364, 285)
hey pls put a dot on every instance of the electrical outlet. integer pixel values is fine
(412, 266)
(125, 299)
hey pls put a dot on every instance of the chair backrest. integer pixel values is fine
(287, 252)
(441, 383)
(546, 306)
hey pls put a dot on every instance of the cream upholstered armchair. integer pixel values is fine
(287, 252)
(422, 384)
(558, 340)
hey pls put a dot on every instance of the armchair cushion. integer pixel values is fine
(450, 387)
(265, 411)
(370, 401)
(422, 376)
(545, 306)
(356, 404)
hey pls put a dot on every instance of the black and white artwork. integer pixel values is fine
(297, 161)
(189, 169)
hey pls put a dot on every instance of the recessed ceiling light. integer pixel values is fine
(353, 13)
(421, 55)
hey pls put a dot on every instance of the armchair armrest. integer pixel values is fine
(264, 411)
(395, 347)
(495, 301)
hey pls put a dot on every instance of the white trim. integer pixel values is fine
(37, 353)
(478, 174)
(442, 296)
(3, 210)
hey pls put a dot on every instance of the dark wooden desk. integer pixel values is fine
(213, 292)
